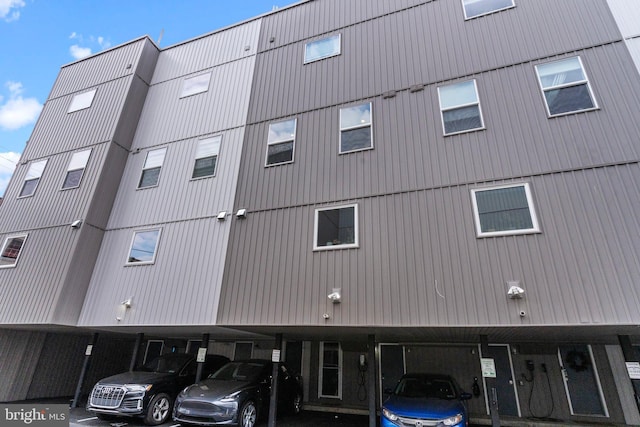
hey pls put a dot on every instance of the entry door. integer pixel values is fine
(581, 381)
(505, 385)
(391, 366)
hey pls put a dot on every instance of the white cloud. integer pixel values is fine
(17, 111)
(79, 52)
(8, 163)
(8, 9)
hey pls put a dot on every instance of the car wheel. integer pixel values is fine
(159, 410)
(296, 404)
(248, 414)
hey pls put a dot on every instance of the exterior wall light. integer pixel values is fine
(241, 214)
(222, 215)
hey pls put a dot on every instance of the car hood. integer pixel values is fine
(137, 377)
(429, 408)
(210, 389)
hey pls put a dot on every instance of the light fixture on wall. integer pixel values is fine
(335, 296)
(127, 303)
(76, 224)
(241, 214)
(515, 291)
(222, 215)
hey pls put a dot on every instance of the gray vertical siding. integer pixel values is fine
(421, 45)
(19, 352)
(430, 269)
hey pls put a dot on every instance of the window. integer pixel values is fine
(320, 49)
(355, 128)
(336, 228)
(473, 8)
(206, 157)
(11, 250)
(195, 85)
(151, 169)
(143, 247)
(460, 108)
(33, 178)
(504, 210)
(281, 142)
(81, 101)
(565, 87)
(330, 375)
(243, 351)
(76, 169)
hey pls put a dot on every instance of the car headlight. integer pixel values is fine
(452, 421)
(388, 414)
(138, 387)
(230, 398)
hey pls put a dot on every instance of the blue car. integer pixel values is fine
(425, 400)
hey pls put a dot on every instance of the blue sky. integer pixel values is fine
(37, 37)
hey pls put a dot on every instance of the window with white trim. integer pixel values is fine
(31, 181)
(81, 101)
(565, 87)
(195, 85)
(330, 375)
(323, 48)
(355, 128)
(504, 210)
(206, 157)
(144, 245)
(11, 250)
(151, 169)
(281, 142)
(474, 8)
(460, 108)
(75, 170)
(336, 228)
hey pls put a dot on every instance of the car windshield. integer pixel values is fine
(239, 371)
(422, 387)
(169, 364)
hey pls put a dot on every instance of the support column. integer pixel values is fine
(630, 356)
(136, 350)
(371, 377)
(204, 344)
(273, 406)
(491, 386)
(85, 367)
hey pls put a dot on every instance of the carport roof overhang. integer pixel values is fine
(593, 334)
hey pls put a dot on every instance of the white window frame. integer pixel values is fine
(358, 126)
(6, 243)
(218, 138)
(33, 176)
(155, 249)
(196, 86)
(466, 17)
(329, 55)
(459, 106)
(321, 370)
(146, 167)
(530, 205)
(77, 157)
(355, 244)
(584, 81)
(282, 140)
(146, 350)
(82, 101)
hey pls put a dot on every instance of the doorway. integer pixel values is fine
(391, 367)
(508, 403)
(581, 381)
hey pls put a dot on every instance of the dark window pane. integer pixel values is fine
(280, 153)
(149, 177)
(330, 382)
(336, 227)
(29, 187)
(72, 179)
(355, 139)
(461, 119)
(569, 99)
(205, 167)
(504, 209)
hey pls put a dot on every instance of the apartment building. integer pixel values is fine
(388, 187)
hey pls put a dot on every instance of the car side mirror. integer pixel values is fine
(465, 396)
